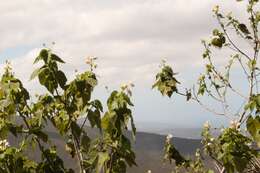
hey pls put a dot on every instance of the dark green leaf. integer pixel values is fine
(56, 58)
(243, 28)
(61, 79)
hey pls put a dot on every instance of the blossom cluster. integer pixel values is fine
(235, 124)
(206, 125)
(127, 87)
(168, 138)
(91, 61)
(8, 66)
(163, 62)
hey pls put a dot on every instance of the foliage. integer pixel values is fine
(166, 83)
(63, 106)
(66, 102)
(232, 150)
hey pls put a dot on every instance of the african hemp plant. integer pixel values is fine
(63, 105)
(233, 150)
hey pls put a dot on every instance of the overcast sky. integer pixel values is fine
(130, 37)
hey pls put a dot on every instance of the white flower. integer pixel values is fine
(249, 144)
(234, 124)
(149, 171)
(197, 154)
(91, 61)
(215, 9)
(211, 139)
(3, 144)
(209, 144)
(163, 62)
(8, 66)
(169, 136)
(115, 144)
(206, 125)
(123, 86)
(127, 87)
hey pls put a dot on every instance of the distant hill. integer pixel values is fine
(148, 148)
(149, 151)
(175, 130)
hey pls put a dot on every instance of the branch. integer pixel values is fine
(38, 142)
(229, 39)
(195, 98)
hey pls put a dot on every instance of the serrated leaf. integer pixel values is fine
(36, 73)
(61, 79)
(43, 55)
(243, 28)
(253, 127)
(54, 57)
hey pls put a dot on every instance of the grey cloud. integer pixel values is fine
(126, 35)
(129, 36)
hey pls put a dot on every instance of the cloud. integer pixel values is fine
(129, 37)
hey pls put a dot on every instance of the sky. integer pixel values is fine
(129, 37)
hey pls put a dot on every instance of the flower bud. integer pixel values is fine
(215, 9)
(206, 125)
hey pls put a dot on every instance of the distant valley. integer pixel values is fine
(148, 148)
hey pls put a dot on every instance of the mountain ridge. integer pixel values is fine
(147, 146)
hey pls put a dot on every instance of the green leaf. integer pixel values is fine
(173, 154)
(133, 128)
(102, 158)
(253, 127)
(252, 64)
(188, 95)
(257, 16)
(61, 79)
(44, 53)
(37, 59)
(97, 104)
(76, 131)
(106, 122)
(94, 118)
(46, 79)
(14, 129)
(243, 28)
(166, 83)
(85, 142)
(215, 32)
(36, 72)
(56, 58)
(40, 134)
(217, 42)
